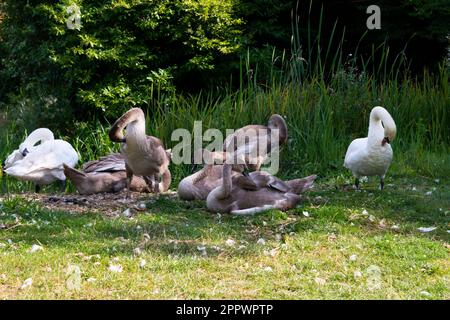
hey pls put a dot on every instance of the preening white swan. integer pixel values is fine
(373, 155)
(144, 155)
(43, 163)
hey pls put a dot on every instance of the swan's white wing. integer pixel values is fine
(45, 161)
(354, 150)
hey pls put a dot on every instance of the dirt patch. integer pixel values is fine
(108, 204)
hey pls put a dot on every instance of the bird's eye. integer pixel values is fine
(382, 124)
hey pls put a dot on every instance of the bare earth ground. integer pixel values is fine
(108, 204)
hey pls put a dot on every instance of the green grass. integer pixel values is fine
(298, 250)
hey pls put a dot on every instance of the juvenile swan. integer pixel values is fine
(244, 196)
(257, 138)
(104, 175)
(372, 156)
(43, 163)
(144, 155)
(197, 186)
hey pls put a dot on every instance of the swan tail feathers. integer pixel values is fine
(301, 185)
(74, 175)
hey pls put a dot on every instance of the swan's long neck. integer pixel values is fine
(42, 134)
(201, 174)
(376, 131)
(134, 121)
(136, 133)
(277, 122)
(227, 184)
(165, 182)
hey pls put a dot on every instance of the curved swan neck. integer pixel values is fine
(134, 121)
(277, 122)
(202, 173)
(227, 184)
(165, 182)
(376, 130)
(41, 134)
(136, 133)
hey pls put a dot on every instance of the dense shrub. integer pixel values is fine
(120, 56)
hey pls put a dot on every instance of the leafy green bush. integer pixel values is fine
(121, 54)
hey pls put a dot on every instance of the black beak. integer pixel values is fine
(385, 140)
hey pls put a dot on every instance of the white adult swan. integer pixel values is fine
(144, 155)
(43, 163)
(372, 156)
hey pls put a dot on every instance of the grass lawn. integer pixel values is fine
(339, 244)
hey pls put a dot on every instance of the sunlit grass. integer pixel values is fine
(299, 251)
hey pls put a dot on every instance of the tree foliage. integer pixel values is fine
(123, 52)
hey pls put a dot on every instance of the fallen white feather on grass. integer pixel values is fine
(230, 242)
(35, 248)
(261, 241)
(142, 263)
(268, 269)
(425, 294)
(115, 268)
(320, 281)
(426, 229)
(26, 284)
